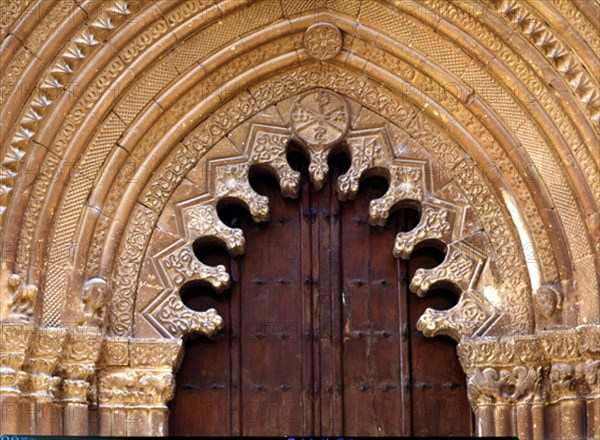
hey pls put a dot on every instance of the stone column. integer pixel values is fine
(42, 412)
(503, 399)
(14, 339)
(77, 367)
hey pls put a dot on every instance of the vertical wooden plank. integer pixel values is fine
(326, 271)
(359, 413)
(308, 345)
(271, 317)
(387, 314)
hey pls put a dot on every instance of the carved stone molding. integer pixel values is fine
(545, 348)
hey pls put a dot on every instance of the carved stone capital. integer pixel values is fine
(136, 388)
(75, 391)
(78, 363)
(574, 380)
(505, 386)
(41, 362)
(14, 339)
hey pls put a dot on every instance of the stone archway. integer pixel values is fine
(504, 128)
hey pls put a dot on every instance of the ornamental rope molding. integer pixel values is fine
(124, 124)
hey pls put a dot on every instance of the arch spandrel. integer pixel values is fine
(506, 129)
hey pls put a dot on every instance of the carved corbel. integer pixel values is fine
(268, 147)
(460, 267)
(406, 183)
(466, 318)
(177, 264)
(231, 182)
(171, 317)
(203, 221)
(433, 225)
(370, 149)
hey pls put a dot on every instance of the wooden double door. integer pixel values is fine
(320, 334)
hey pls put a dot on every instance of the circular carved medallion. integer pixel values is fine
(320, 118)
(323, 41)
